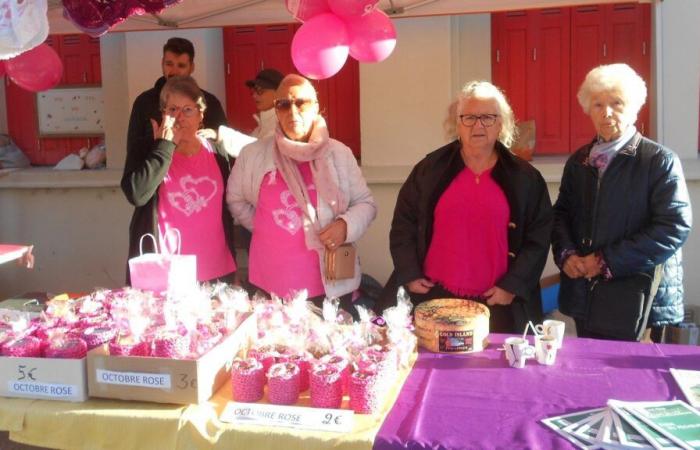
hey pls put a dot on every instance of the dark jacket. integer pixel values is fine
(147, 106)
(640, 218)
(143, 174)
(528, 231)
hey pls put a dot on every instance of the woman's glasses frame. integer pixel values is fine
(487, 120)
(187, 111)
(285, 104)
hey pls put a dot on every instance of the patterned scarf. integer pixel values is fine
(603, 152)
(287, 154)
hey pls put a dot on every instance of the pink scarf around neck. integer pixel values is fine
(287, 154)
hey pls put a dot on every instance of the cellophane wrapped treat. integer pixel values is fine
(399, 326)
(365, 391)
(283, 384)
(247, 380)
(342, 363)
(67, 347)
(25, 347)
(326, 386)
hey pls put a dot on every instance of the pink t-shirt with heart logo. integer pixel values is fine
(190, 198)
(279, 262)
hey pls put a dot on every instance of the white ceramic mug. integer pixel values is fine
(546, 349)
(517, 351)
(552, 328)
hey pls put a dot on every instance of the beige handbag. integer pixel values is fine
(340, 262)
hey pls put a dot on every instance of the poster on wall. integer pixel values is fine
(70, 111)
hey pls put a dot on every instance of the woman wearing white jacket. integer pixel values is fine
(299, 165)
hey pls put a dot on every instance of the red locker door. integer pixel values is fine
(587, 38)
(339, 99)
(513, 68)
(93, 69)
(276, 42)
(242, 61)
(73, 56)
(551, 77)
(21, 118)
(627, 37)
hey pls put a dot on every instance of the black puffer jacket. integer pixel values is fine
(528, 231)
(641, 217)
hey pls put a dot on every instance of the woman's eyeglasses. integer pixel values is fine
(285, 104)
(486, 120)
(187, 111)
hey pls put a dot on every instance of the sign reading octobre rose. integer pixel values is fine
(319, 419)
(70, 111)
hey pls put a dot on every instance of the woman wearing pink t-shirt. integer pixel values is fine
(180, 184)
(472, 220)
(301, 194)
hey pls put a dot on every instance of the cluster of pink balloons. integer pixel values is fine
(332, 29)
(35, 70)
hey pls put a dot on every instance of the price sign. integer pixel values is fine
(320, 419)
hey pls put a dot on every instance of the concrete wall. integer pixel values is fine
(79, 222)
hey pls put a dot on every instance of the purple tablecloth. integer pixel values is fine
(477, 402)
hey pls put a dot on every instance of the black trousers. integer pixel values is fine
(501, 320)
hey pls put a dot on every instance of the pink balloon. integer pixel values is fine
(303, 10)
(35, 70)
(352, 8)
(320, 46)
(372, 37)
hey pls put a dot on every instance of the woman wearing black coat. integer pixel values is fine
(623, 206)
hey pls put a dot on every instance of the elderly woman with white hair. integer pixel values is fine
(472, 220)
(622, 215)
(303, 196)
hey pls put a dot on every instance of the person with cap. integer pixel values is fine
(263, 88)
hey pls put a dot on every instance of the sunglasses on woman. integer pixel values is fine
(285, 104)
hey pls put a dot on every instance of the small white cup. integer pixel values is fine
(546, 349)
(517, 351)
(552, 328)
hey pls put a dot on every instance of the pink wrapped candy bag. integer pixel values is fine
(283, 384)
(326, 386)
(247, 380)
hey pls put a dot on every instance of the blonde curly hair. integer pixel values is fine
(482, 90)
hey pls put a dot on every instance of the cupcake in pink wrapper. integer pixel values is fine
(303, 360)
(170, 344)
(247, 380)
(365, 391)
(266, 354)
(26, 347)
(96, 336)
(343, 366)
(283, 384)
(66, 348)
(129, 346)
(326, 382)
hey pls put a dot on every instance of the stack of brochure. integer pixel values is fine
(638, 425)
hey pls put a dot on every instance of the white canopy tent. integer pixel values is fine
(216, 13)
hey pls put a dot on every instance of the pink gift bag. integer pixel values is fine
(162, 272)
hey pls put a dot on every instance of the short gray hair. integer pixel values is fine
(482, 90)
(619, 78)
(183, 85)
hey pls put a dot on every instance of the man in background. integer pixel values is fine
(178, 60)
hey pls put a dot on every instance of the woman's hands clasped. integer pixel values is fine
(334, 234)
(588, 266)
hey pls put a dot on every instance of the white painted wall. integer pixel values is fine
(81, 233)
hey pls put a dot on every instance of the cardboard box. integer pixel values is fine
(164, 380)
(44, 378)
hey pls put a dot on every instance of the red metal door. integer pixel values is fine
(627, 40)
(243, 62)
(512, 71)
(587, 52)
(551, 77)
